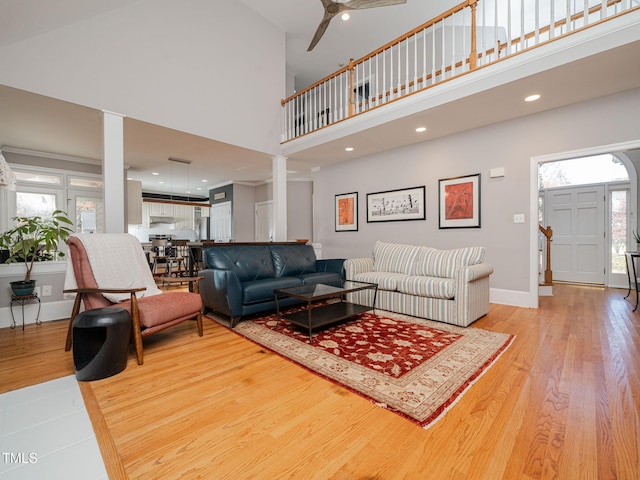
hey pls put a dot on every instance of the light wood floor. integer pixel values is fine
(562, 402)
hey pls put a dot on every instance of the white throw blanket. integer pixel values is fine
(117, 261)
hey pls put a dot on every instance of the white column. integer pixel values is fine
(279, 167)
(113, 171)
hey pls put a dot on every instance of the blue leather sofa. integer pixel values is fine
(239, 279)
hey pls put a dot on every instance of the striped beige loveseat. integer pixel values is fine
(450, 286)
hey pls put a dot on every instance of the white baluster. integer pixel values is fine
(586, 12)
(454, 36)
(552, 22)
(522, 27)
(390, 86)
(424, 58)
(399, 72)
(536, 27)
(375, 88)
(433, 54)
(443, 52)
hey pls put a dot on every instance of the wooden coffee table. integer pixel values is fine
(326, 314)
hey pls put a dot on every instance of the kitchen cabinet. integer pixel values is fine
(183, 216)
(160, 209)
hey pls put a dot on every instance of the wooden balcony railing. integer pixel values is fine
(473, 34)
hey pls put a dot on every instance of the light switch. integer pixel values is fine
(518, 218)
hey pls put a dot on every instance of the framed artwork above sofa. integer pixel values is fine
(347, 212)
(396, 205)
(459, 202)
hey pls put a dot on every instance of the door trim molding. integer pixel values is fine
(614, 148)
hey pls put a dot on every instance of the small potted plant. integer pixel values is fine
(636, 237)
(34, 239)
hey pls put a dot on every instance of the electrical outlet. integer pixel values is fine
(37, 291)
(518, 218)
(46, 290)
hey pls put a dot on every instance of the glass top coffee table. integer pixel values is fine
(326, 314)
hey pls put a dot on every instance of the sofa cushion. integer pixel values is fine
(394, 257)
(249, 262)
(421, 258)
(159, 309)
(321, 277)
(262, 290)
(293, 259)
(433, 287)
(385, 280)
(444, 263)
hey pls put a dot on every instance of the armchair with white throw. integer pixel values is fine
(108, 269)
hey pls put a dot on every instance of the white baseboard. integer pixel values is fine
(545, 290)
(62, 309)
(49, 311)
(512, 297)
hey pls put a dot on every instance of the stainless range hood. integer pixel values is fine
(157, 220)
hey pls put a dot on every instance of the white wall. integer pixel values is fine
(510, 145)
(299, 207)
(244, 200)
(208, 67)
(299, 210)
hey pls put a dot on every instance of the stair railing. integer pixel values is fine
(548, 274)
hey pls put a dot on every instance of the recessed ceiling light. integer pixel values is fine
(532, 98)
(421, 129)
(345, 16)
(349, 149)
(204, 180)
(160, 181)
(155, 173)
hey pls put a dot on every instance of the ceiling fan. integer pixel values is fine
(331, 9)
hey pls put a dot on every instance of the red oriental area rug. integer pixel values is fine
(415, 367)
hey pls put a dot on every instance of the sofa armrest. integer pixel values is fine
(331, 265)
(472, 293)
(221, 291)
(354, 266)
(474, 272)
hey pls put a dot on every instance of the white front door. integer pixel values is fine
(577, 217)
(264, 221)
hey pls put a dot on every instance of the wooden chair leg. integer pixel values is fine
(199, 322)
(137, 333)
(74, 313)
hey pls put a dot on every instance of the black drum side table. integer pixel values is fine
(22, 299)
(101, 342)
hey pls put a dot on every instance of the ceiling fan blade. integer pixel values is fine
(331, 9)
(321, 29)
(362, 4)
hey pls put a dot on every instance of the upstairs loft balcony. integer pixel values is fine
(468, 38)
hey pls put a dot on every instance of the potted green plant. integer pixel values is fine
(636, 237)
(34, 239)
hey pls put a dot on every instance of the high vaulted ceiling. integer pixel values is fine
(33, 122)
(365, 31)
